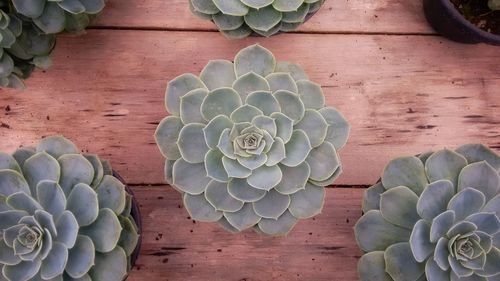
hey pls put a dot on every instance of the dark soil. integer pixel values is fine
(479, 14)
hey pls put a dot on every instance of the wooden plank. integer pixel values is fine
(344, 16)
(402, 95)
(174, 248)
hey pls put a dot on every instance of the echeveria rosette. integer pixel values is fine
(63, 216)
(434, 217)
(56, 16)
(22, 47)
(250, 143)
(241, 18)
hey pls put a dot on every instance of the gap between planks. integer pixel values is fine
(163, 29)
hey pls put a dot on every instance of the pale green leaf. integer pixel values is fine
(200, 209)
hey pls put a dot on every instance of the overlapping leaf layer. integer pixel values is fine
(63, 216)
(241, 18)
(27, 33)
(434, 217)
(250, 143)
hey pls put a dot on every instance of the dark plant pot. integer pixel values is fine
(136, 214)
(447, 20)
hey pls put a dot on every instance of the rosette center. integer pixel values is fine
(465, 248)
(29, 236)
(249, 142)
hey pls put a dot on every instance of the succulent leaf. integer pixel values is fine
(467, 202)
(256, 59)
(374, 233)
(371, 267)
(272, 206)
(190, 103)
(264, 101)
(75, 169)
(482, 177)
(282, 81)
(24, 270)
(56, 146)
(8, 162)
(177, 88)
(398, 206)
(200, 209)
(307, 203)
(371, 200)
(449, 200)
(12, 182)
(111, 194)
(400, 263)
(67, 229)
(290, 104)
(55, 263)
(258, 155)
(38, 167)
(81, 257)
(412, 170)
(323, 161)
(279, 227)
(53, 224)
(241, 190)
(440, 225)
(225, 22)
(218, 195)
(110, 266)
(104, 231)
(167, 134)
(434, 199)
(218, 74)
(249, 83)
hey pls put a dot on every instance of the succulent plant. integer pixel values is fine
(63, 216)
(241, 18)
(250, 143)
(27, 33)
(22, 47)
(434, 217)
(56, 16)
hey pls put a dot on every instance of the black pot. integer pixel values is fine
(447, 20)
(136, 215)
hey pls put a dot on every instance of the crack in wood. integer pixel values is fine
(166, 251)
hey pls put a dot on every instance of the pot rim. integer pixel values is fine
(136, 215)
(461, 18)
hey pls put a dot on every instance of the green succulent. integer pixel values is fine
(63, 216)
(250, 143)
(59, 15)
(27, 33)
(494, 5)
(241, 18)
(22, 47)
(434, 217)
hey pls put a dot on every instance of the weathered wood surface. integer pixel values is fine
(340, 16)
(403, 89)
(175, 248)
(402, 94)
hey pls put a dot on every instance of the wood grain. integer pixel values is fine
(402, 95)
(336, 16)
(176, 249)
